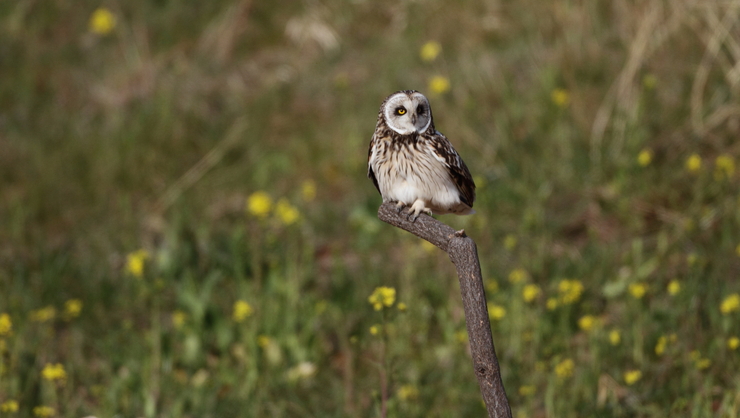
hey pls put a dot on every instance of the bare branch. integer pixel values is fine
(464, 256)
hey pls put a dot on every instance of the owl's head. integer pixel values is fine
(407, 112)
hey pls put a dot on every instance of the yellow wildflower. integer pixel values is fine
(72, 308)
(724, 166)
(43, 411)
(693, 163)
(645, 157)
(430, 50)
(560, 97)
(102, 21)
(44, 314)
(551, 304)
(587, 322)
(10, 406)
(242, 310)
(54, 372)
(730, 304)
(135, 263)
(496, 312)
(517, 275)
(570, 290)
(308, 190)
(510, 242)
(674, 287)
(531, 292)
(703, 363)
(733, 343)
(565, 368)
(638, 290)
(615, 337)
(375, 329)
(263, 341)
(527, 390)
(401, 307)
(382, 296)
(660, 345)
(6, 324)
(632, 376)
(259, 204)
(178, 318)
(461, 336)
(408, 392)
(492, 285)
(286, 212)
(649, 81)
(439, 84)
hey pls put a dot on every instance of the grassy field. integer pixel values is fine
(187, 230)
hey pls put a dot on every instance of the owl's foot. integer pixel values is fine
(400, 206)
(417, 208)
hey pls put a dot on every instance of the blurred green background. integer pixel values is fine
(187, 230)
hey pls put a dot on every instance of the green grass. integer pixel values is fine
(550, 105)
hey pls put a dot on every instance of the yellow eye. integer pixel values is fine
(401, 111)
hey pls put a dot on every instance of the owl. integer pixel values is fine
(413, 164)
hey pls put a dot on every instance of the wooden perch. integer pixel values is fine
(464, 256)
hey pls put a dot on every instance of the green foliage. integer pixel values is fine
(186, 229)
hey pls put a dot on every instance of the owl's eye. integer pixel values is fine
(401, 111)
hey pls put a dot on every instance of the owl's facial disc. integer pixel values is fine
(407, 114)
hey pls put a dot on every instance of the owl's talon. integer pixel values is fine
(399, 207)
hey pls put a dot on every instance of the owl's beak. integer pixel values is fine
(413, 120)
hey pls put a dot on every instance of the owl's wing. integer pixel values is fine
(370, 158)
(444, 152)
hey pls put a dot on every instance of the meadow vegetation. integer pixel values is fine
(187, 230)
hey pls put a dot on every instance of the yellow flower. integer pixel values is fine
(733, 343)
(286, 212)
(645, 157)
(703, 363)
(72, 308)
(570, 290)
(430, 50)
(461, 336)
(178, 318)
(375, 329)
(6, 325)
(439, 84)
(135, 263)
(632, 376)
(43, 411)
(496, 312)
(724, 166)
(259, 204)
(660, 345)
(565, 368)
(615, 337)
(517, 275)
(401, 307)
(44, 314)
(531, 292)
(382, 296)
(102, 21)
(408, 392)
(263, 341)
(54, 372)
(242, 310)
(674, 287)
(509, 242)
(527, 390)
(560, 97)
(587, 322)
(693, 163)
(638, 290)
(308, 190)
(551, 304)
(730, 304)
(492, 285)
(10, 406)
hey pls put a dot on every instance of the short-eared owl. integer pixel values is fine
(413, 164)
